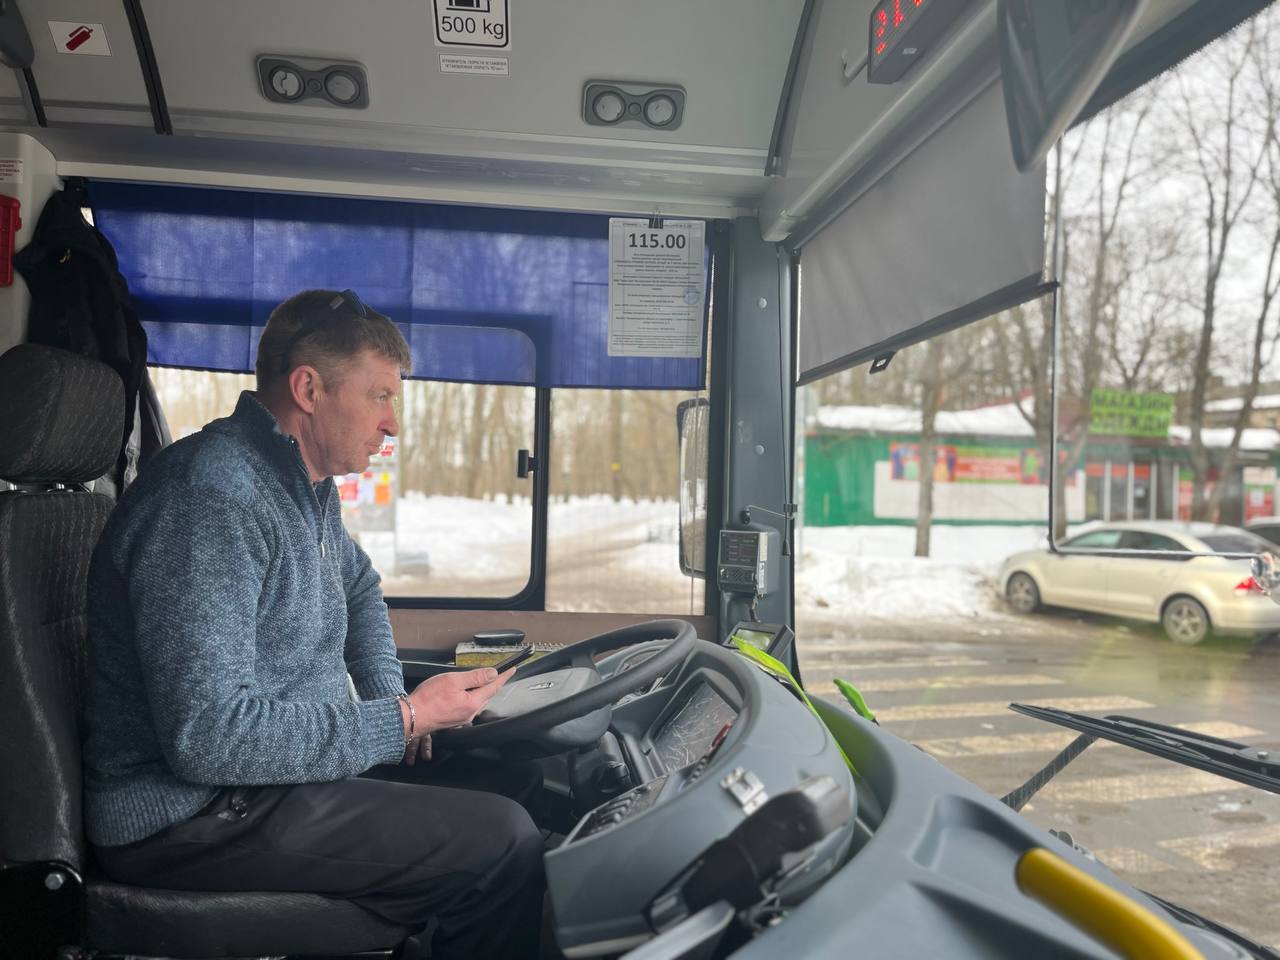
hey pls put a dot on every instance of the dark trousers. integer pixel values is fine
(408, 852)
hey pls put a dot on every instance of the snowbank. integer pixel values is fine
(865, 572)
(870, 573)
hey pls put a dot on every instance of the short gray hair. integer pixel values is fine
(325, 329)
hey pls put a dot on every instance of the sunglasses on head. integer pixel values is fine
(347, 298)
(352, 300)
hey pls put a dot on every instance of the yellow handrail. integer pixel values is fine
(1105, 914)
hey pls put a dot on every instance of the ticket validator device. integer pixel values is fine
(747, 564)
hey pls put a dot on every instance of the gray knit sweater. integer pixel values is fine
(227, 605)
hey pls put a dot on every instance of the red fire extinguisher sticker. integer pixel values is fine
(71, 36)
(78, 36)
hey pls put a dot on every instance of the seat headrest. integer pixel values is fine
(63, 416)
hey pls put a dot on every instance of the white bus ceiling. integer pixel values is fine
(515, 141)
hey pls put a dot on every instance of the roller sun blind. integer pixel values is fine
(951, 234)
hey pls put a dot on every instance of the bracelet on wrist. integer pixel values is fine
(413, 719)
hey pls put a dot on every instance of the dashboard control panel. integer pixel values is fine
(630, 804)
(719, 736)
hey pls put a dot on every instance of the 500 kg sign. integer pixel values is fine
(472, 23)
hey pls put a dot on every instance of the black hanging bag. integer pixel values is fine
(80, 302)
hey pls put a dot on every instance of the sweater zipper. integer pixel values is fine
(321, 508)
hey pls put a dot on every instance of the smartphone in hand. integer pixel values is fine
(520, 656)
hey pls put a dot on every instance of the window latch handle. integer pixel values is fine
(525, 464)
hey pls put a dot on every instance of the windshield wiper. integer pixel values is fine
(1255, 949)
(1226, 758)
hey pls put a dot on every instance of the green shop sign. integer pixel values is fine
(1118, 413)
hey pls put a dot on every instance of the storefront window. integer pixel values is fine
(1142, 476)
(1118, 505)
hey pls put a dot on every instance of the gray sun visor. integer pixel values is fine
(951, 234)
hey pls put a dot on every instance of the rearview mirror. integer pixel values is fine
(692, 421)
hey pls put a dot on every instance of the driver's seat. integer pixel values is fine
(62, 427)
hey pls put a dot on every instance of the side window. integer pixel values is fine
(613, 539)
(439, 510)
(445, 514)
(1096, 540)
(192, 398)
(1267, 533)
(1141, 540)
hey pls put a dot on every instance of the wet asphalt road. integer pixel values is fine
(1189, 836)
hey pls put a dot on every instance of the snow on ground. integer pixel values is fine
(475, 537)
(483, 539)
(871, 573)
(867, 572)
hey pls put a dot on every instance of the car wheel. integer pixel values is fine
(1023, 594)
(1185, 621)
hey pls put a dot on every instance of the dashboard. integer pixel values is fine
(921, 863)
(702, 748)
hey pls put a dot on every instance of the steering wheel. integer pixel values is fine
(565, 686)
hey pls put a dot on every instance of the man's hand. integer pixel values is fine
(453, 699)
(418, 749)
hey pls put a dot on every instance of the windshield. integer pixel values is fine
(923, 572)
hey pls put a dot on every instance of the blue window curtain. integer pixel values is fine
(482, 295)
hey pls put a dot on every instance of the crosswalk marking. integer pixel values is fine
(984, 708)
(853, 647)
(1130, 860)
(1210, 851)
(1052, 741)
(852, 664)
(1139, 786)
(957, 682)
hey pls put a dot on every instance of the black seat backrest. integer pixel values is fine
(63, 417)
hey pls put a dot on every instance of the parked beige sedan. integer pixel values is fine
(1189, 596)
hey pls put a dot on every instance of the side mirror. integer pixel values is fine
(1053, 56)
(693, 418)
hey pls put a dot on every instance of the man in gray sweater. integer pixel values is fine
(227, 607)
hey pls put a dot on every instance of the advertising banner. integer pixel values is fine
(962, 463)
(1259, 492)
(1119, 413)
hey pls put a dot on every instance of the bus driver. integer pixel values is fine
(227, 606)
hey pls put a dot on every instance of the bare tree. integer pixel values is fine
(1143, 308)
(931, 387)
(1227, 167)
(1265, 332)
(945, 368)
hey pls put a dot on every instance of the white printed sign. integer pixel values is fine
(1259, 476)
(656, 288)
(472, 23)
(477, 66)
(11, 170)
(84, 39)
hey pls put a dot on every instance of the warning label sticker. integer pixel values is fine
(11, 170)
(71, 36)
(472, 23)
(479, 66)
